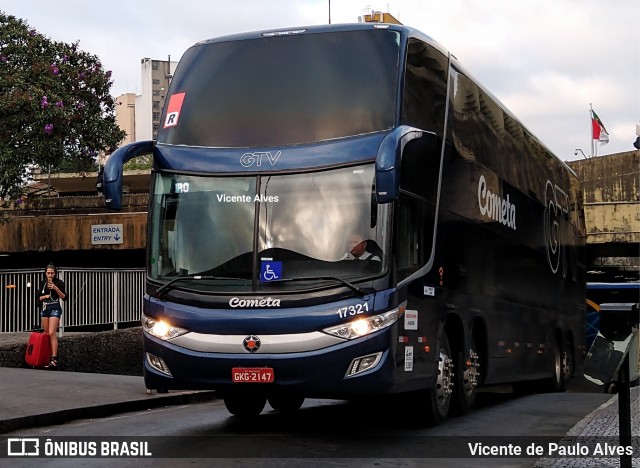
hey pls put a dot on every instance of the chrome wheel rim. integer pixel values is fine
(444, 384)
(471, 373)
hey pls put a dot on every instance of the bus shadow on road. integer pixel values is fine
(378, 416)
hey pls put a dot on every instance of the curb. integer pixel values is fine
(107, 352)
(101, 411)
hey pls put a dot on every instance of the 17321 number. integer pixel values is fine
(350, 311)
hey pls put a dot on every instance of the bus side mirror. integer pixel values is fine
(112, 176)
(389, 158)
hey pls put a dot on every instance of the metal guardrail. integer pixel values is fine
(96, 297)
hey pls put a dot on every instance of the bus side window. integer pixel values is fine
(409, 229)
(425, 87)
(419, 175)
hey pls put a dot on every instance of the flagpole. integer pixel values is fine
(593, 146)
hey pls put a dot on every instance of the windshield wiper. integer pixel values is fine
(359, 291)
(167, 286)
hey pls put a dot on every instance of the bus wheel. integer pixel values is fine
(286, 403)
(245, 404)
(567, 365)
(440, 394)
(466, 378)
(562, 363)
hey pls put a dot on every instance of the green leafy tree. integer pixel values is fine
(143, 162)
(55, 106)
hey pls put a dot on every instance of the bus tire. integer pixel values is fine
(466, 379)
(440, 394)
(568, 364)
(286, 403)
(245, 405)
(562, 363)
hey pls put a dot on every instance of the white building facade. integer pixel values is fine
(139, 115)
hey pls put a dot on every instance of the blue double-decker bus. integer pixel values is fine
(341, 211)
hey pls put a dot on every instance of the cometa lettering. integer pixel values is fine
(496, 207)
(264, 302)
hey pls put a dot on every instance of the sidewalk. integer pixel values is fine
(33, 397)
(600, 424)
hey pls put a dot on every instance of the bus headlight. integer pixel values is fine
(158, 364)
(363, 364)
(366, 325)
(160, 328)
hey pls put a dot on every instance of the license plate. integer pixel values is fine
(252, 374)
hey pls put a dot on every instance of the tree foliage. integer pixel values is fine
(55, 106)
(139, 163)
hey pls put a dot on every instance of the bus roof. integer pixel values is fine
(406, 32)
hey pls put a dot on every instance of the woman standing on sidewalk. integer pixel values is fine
(50, 293)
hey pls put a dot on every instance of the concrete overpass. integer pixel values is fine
(611, 188)
(54, 223)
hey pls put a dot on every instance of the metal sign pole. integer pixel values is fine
(624, 411)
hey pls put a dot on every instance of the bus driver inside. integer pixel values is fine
(362, 249)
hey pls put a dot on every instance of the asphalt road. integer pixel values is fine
(325, 433)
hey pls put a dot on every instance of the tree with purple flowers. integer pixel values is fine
(55, 106)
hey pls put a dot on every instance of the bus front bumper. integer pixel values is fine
(361, 366)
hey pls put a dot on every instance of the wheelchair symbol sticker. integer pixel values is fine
(270, 270)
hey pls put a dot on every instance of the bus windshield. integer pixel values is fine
(285, 90)
(304, 229)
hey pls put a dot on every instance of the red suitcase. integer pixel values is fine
(38, 350)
